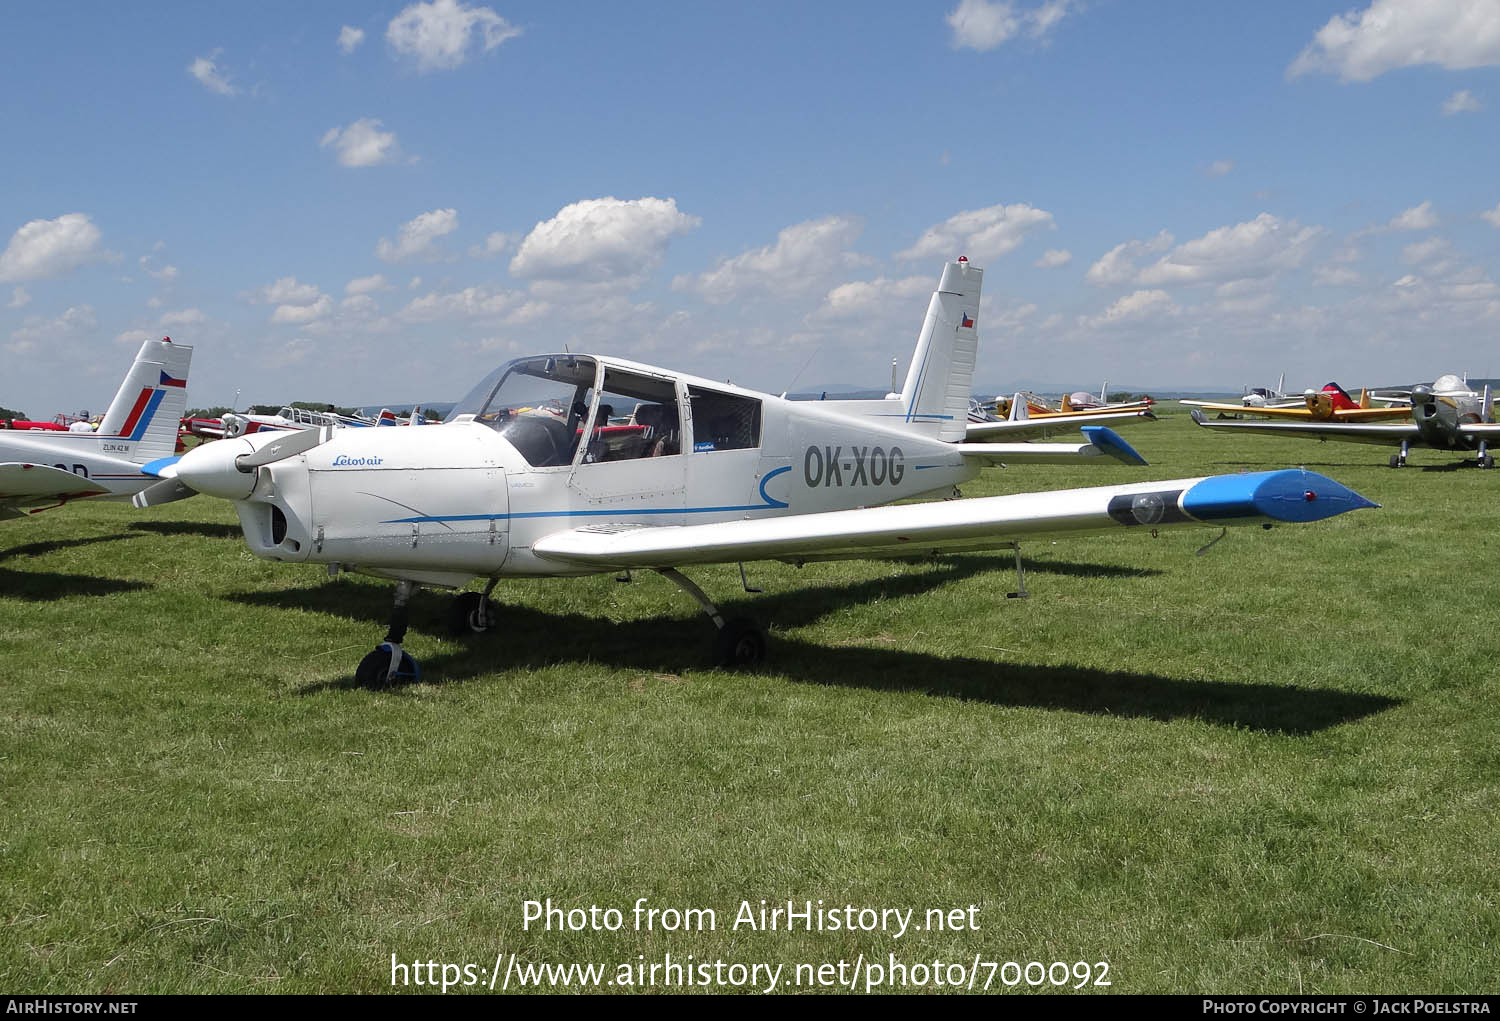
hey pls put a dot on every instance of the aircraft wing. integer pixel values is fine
(30, 483)
(1383, 433)
(1483, 430)
(1045, 427)
(997, 522)
(1299, 412)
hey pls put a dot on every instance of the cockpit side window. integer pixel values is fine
(723, 421)
(537, 404)
(637, 417)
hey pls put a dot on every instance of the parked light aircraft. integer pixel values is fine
(1444, 416)
(574, 464)
(1023, 408)
(1082, 400)
(40, 470)
(1330, 404)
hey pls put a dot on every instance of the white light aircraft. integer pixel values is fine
(573, 464)
(42, 470)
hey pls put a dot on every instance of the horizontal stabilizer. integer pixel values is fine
(21, 481)
(1102, 442)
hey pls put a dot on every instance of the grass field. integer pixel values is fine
(1269, 768)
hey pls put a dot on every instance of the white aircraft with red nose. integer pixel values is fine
(576, 464)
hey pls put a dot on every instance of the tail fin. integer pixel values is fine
(151, 401)
(942, 367)
(1487, 405)
(1020, 409)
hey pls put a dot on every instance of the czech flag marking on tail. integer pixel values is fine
(167, 380)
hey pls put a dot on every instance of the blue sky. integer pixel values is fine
(365, 202)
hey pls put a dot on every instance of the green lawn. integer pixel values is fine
(1271, 768)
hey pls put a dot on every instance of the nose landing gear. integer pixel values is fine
(388, 665)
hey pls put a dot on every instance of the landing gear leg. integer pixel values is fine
(388, 665)
(1399, 460)
(474, 612)
(1486, 459)
(740, 642)
(1020, 592)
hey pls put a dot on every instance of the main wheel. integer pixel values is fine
(1396, 461)
(464, 618)
(373, 670)
(740, 643)
(1487, 461)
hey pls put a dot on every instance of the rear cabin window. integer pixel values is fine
(723, 421)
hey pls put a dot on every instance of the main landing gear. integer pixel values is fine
(388, 665)
(474, 613)
(1399, 460)
(1485, 459)
(740, 642)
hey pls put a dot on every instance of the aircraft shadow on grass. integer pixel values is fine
(209, 530)
(46, 586)
(529, 638)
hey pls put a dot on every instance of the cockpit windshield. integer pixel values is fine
(537, 404)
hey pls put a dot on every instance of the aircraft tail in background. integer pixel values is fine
(151, 401)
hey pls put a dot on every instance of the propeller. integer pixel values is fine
(290, 445)
(165, 491)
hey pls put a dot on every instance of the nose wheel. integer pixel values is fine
(388, 665)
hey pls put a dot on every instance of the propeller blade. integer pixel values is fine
(165, 491)
(299, 442)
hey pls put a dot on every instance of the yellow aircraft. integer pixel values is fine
(1330, 404)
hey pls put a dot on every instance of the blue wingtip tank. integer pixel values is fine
(1290, 494)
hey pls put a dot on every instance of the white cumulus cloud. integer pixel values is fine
(1491, 216)
(605, 240)
(981, 234)
(1052, 258)
(306, 313)
(869, 298)
(803, 255)
(985, 24)
(1118, 265)
(350, 38)
(1135, 307)
(286, 291)
(1462, 101)
(362, 144)
(18, 298)
(1389, 34)
(49, 248)
(211, 76)
(440, 35)
(366, 285)
(1260, 247)
(1416, 218)
(418, 236)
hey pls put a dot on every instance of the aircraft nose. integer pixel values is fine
(211, 469)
